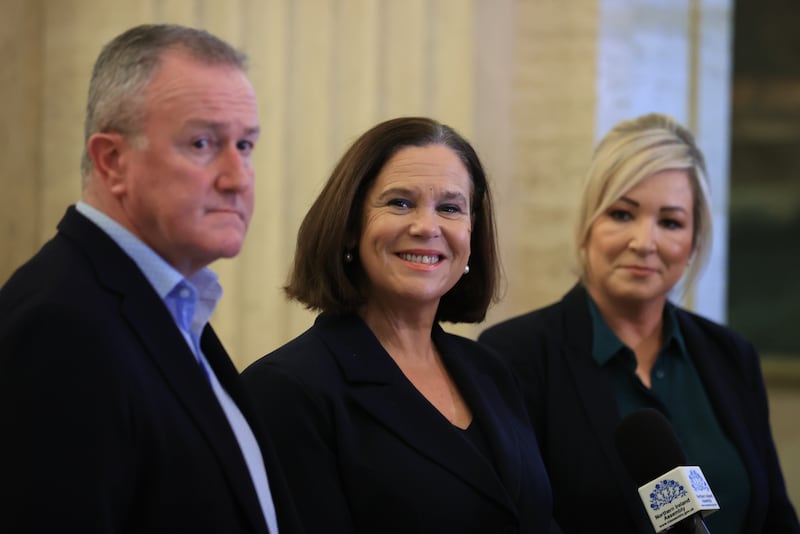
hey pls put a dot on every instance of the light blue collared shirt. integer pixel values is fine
(191, 301)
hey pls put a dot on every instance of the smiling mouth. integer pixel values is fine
(417, 258)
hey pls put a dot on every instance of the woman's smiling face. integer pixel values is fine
(416, 227)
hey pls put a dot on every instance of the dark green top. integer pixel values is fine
(676, 390)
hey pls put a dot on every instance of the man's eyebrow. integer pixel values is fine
(221, 126)
(253, 131)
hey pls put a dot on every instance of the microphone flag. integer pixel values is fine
(677, 495)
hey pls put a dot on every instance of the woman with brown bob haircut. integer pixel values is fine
(382, 420)
(339, 286)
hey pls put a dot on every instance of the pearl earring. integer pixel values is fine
(466, 269)
(348, 257)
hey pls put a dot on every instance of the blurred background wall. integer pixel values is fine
(533, 83)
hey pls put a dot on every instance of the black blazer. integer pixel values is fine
(364, 451)
(109, 424)
(573, 408)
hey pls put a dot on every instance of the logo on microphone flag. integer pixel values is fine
(677, 495)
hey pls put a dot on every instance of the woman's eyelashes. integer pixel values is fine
(451, 209)
(401, 203)
(620, 215)
(669, 223)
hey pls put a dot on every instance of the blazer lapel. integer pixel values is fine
(150, 320)
(716, 367)
(594, 387)
(591, 382)
(490, 409)
(716, 378)
(381, 389)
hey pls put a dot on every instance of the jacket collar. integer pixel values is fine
(148, 318)
(594, 386)
(380, 388)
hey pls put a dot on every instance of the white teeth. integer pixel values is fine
(420, 259)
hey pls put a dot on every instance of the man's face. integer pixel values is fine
(186, 184)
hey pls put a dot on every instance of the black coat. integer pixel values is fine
(573, 407)
(109, 424)
(365, 452)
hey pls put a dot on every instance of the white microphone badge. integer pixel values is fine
(677, 495)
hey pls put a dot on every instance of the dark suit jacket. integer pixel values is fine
(364, 451)
(573, 407)
(108, 423)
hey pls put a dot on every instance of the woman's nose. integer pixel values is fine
(643, 238)
(425, 223)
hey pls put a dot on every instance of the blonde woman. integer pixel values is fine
(616, 343)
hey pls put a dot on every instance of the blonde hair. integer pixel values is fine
(632, 151)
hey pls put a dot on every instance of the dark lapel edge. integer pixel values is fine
(490, 409)
(595, 390)
(381, 389)
(715, 366)
(150, 320)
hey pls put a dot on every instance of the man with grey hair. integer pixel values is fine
(122, 411)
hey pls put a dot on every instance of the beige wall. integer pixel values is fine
(20, 130)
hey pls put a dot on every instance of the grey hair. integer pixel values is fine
(632, 151)
(127, 64)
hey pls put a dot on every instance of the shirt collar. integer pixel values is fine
(672, 330)
(161, 275)
(606, 344)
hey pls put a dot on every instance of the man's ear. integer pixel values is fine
(107, 151)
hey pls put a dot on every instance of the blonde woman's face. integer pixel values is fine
(639, 247)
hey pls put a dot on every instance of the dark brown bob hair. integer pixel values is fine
(320, 277)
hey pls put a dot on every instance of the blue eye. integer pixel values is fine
(245, 145)
(620, 215)
(400, 203)
(671, 224)
(450, 208)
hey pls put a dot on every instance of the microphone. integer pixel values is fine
(676, 496)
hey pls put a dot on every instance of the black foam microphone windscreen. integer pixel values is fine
(648, 445)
